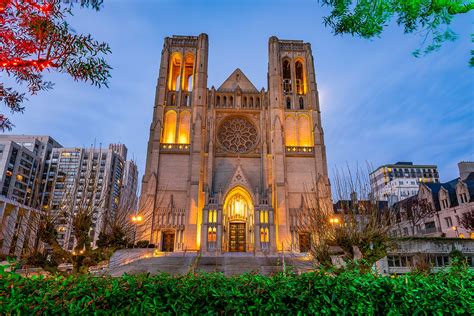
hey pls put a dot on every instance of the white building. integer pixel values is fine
(398, 181)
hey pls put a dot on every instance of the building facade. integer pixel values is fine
(87, 176)
(17, 153)
(442, 210)
(399, 181)
(226, 168)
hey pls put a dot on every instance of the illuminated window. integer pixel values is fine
(174, 76)
(212, 216)
(290, 131)
(264, 234)
(169, 133)
(304, 131)
(264, 217)
(184, 127)
(300, 79)
(188, 73)
(211, 234)
(19, 177)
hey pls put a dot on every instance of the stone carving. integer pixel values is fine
(237, 135)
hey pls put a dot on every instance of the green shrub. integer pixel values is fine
(309, 293)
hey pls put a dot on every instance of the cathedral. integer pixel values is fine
(227, 168)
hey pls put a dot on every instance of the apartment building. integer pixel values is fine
(398, 181)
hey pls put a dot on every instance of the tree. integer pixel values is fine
(35, 37)
(467, 220)
(414, 210)
(359, 228)
(368, 18)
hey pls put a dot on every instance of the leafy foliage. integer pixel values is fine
(35, 37)
(368, 18)
(311, 293)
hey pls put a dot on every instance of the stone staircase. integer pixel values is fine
(229, 264)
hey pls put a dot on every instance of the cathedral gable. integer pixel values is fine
(237, 80)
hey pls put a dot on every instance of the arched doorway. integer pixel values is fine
(238, 220)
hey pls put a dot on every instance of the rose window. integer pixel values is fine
(237, 135)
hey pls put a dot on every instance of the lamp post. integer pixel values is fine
(455, 228)
(136, 219)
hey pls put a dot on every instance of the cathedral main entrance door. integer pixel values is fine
(237, 237)
(168, 242)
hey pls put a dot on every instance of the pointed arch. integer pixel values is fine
(174, 68)
(300, 76)
(188, 72)
(290, 131)
(184, 127)
(238, 203)
(304, 131)
(286, 75)
(169, 132)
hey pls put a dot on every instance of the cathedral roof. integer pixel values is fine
(237, 80)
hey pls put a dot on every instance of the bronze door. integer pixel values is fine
(237, 237)
(168, 242)
(305, 242)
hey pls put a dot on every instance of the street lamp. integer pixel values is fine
(455, 228)
(136, 219)
(334, 220)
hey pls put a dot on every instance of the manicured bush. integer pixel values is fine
(310, 293)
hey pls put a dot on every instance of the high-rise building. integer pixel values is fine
(39, 146)
(91, 174)
(399, 181)
(226, 168)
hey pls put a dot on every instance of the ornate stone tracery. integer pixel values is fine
(237, 135)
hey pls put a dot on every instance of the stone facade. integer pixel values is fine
(225, 166)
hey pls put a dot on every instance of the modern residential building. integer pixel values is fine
(39, 146)
(18, 227)
(19, 172)
(438, 208)
(94, 175)
(398, 181)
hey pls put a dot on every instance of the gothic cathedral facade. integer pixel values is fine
(227, 168)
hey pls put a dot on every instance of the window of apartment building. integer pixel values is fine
(449, 221)
(430, 227)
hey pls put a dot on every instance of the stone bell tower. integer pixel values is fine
(171, 194)
(297, 147)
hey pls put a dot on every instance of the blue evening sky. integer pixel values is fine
(379, 103)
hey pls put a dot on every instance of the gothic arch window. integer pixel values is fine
(218, 101)
(301, 103)
(184, 127)
(258, 102)
(169, 132)
(231, 102)
(290, 131)
(237, 135)
(300, 78)
(288, 103)
(304, 131)
(244, 104)
(188, 72)
(286, 76)
(176, 61)
(225, 101)
(251, 102)
(173, 99)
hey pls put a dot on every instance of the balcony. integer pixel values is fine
(299, 151)
(175, 148)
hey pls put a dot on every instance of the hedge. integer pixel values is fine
(310, 293)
